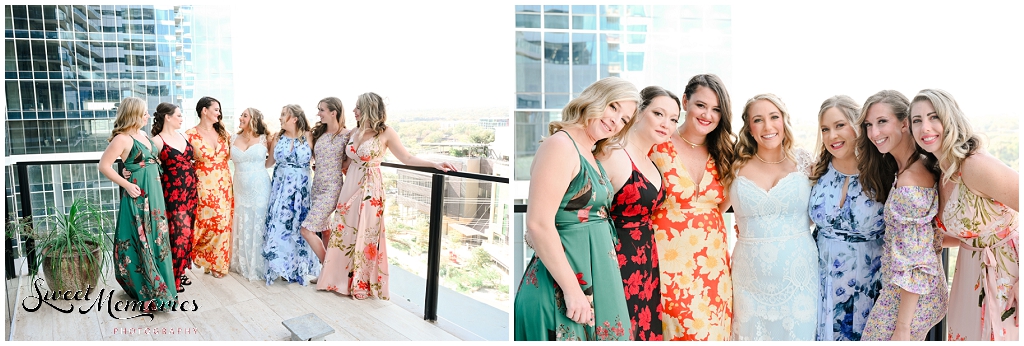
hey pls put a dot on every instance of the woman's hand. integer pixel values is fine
(577, 307)
(444, 166)
(133, 190)
(901, 334)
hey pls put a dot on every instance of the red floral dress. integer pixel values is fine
(637, 252)
(180, 197)
(696, 282)
(212, 233)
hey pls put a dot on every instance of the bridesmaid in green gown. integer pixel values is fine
(572, 288)
(142, 250)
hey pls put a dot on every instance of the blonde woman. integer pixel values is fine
(848, 226)
(913, 296)
(142, 249)
(978, 201)
(775, 262)
(252, 193)
(572, 289)
(356, 263)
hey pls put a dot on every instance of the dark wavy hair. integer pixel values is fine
(721, 140)
(334, 104)
(877, 170)
(218, 126)
(162, 111)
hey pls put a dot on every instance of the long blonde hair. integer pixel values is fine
(746, 146)
(850, 109)
(958, 138)
(591, 105)
(130, 115)
(372, 114)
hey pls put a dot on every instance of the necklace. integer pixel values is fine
(784, 157)
(692, 145)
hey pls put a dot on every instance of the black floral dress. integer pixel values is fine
(637, 253)
(180, 197)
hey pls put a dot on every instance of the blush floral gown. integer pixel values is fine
(849, 239)
(983, 299)
(287, 254)
(179, 186)
(356, 263)
(693, 251)
(252, 191)
(637, 252)
(910, 261)
(212, 231)
(775, 261)
(142, 249)
(587, 236)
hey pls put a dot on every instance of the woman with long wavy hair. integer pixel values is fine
(696, 165)
(252, 194)
(179, 185)
(212, 232)
(978, 201)
(329, 138)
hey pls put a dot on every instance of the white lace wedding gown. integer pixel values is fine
(775, 261)
(252, 196)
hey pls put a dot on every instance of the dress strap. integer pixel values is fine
(573, 142)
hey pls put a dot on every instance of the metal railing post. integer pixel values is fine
(434, 248)
(26, 211)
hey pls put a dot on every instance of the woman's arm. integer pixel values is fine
(394, 144)
(270, 152)
(908, 306)
(121, 145)
(989, 177)
(158, 145)
(552, 173)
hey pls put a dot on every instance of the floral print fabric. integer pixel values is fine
(637, 252)
(286, 253)
(586, 234)
(356, 263)
(211, 239)
(179, 187)
(142, 249)
(983, 299)
(910, 261)
(696, 284)
(849, 239)
(327, 180)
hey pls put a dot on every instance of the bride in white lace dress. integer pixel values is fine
(775, 261)
(252, 195)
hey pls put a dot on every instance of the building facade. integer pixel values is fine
(562, 49)
(67, 68)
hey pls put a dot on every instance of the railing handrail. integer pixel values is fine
(477, 176)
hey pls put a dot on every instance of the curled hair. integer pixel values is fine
(958, 138)
(591, 104)
(720, 142)
(372, 113)
(333, 104)
(301, 125)
(130, 115)
(850, 109)
(877, 170)
(647, 95)
(746, 145)
(256, 122)
(218, 126)
(162, 111)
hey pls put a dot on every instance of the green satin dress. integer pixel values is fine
(142, 248)
(587, 236)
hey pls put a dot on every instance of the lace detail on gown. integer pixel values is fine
(252, 193)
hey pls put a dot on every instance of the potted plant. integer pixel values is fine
(76, 249)
(17, 227)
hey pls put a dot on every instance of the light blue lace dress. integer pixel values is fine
(849, 254)
(287, 253)
(252, 196)
(775, 261)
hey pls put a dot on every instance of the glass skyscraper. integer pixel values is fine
(562, 49)
(67, 68)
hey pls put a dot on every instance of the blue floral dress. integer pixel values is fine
(849, 239)
(287, 253)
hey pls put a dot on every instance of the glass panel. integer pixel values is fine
(28, 96)
(528, 100)
(35, 17)
(556, 21)
(555, 101)
(11, 58)
(528, 64)
(635, 61)
(584, 9)
(584, 22)
(24, 51)
(57, 96)
(556, 8)
(43, 96)
(556, 59)
(20, 14)
(610, 17)
(527, 20)
(528, 8)
(584, 61)
(13, 96)
(611, 56)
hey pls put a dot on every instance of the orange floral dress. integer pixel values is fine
(696, 283)
(211, 241)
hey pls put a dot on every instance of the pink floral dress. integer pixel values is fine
(983, 300)
(910, 261)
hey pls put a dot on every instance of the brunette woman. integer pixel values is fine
(212, 237)
(179, 186)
